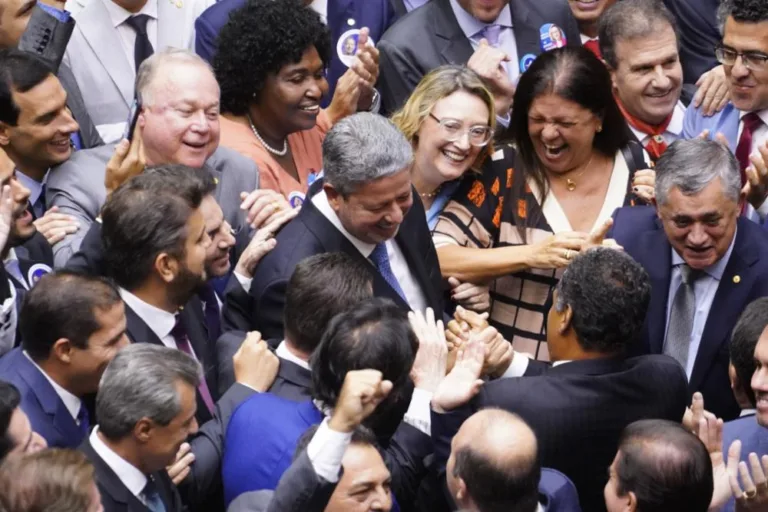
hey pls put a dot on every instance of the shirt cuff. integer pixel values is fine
(62, 16)
(419, 413)
(245, 282)
(325, 451)
(517, 367)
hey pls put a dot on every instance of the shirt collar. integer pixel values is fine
(471, 26)
(128, 474)
(35, 187)
(320, 200)
(675, 126)
(762, 114)
(71, 402)
(716, 269)
(283, 353)
(747, 412)
(11, 256)
(586, 38)
(160, 321)
(558, 363)
(118, 15)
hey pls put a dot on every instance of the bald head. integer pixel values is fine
(494, 460)
(168, 64)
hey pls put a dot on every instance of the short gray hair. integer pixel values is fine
(140, 382)
(153, 65)
(362, 148)
(691, 165)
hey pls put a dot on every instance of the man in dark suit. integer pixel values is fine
(579, 405)
(448, 31)
(491, 460)
(142, 424)
(341, 17)
(365, 207)
(706, 264)
(326, 284)
(659, 466)
(741, 352)
(373, 336)
(16, 434)
(72, 326)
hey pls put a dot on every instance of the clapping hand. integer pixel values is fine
(463, 382)
(366, 67)
(361, 393)
(431, 358)
(756, 188)
(754, 495)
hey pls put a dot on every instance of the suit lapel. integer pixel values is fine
(295, 374)
(657, 260)
(138, 331)
(194, 322)
(730, 300)
(48, 399)
(97, 29)
(110, 484)
(456, 48)
(170, 24)
(527, 37)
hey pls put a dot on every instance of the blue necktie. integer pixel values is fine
(380, 258)
(83, 420)
(152, 497)
(212, 315)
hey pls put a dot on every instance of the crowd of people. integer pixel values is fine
(383, 255)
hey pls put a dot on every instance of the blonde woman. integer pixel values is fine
(449, 119)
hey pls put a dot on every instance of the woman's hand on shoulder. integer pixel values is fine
(643, 185)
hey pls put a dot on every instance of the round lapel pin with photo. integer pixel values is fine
(552, 37)
(347, 46)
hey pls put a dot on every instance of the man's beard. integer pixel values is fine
(185, 285)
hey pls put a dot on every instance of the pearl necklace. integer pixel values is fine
(430, 195)
(267, 146)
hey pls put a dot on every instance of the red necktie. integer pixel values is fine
(751, 123)
(656, 145)
(593, 45)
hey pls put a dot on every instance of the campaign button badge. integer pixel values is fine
(37, 271)
(552, 37)
(526, 62)
(295, 199)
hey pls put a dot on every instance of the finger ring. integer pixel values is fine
(750, 494)
(568, 254)
(275, 205)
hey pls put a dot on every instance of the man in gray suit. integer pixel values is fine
(178, 123)
(45, 31)
(449, 31)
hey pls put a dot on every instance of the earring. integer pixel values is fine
(599, 129)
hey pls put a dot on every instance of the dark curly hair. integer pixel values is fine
(260, 39)
(745, 11)
(608, 293)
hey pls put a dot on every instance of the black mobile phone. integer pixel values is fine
(133, 118)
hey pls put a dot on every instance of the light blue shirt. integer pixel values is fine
(413, 4)
(704, 289)
(446, 192)
(473, 28)
(35, 191)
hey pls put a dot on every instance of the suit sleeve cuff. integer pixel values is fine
(419, 412)
(325, 451)
(245, 282)
(517, 367)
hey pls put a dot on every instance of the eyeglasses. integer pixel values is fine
(753, 61)
(452, 129)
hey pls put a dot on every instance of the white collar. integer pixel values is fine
(762, 114)
(320, 200)
(747, 412)
(128, 474)
(11, 256)
(160, 321)
(586, 38)
(558, 363)
(35, 187)
(283, 352)
(71, 402)
(675, 126)
(118, 15)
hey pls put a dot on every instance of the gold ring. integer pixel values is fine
(750, 494)
(568, 254)
(275, 205)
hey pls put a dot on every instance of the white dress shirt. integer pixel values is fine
(133, 479)
(321, 8)
(35, 187)
(8, 321)
(161, 322)
(673, 132)
(118, 15)
(71, 402)
(704, 289)
(408, 282)
(283, 352)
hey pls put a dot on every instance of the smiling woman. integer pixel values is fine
(272, 77)
(534, 207)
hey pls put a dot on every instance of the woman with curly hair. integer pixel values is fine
(271, 69)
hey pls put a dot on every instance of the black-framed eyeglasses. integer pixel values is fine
(453, 130)
(752, 60)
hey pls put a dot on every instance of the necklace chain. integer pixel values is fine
(267, 146)
(430, 195)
